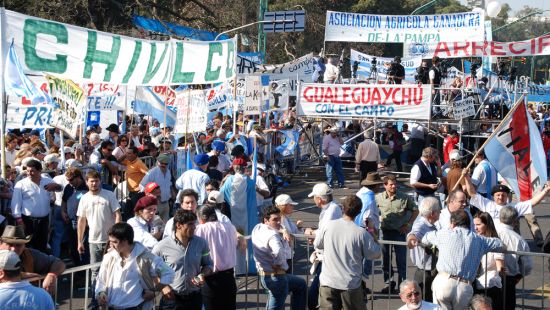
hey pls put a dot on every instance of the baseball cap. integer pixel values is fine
(320, 189)
(284, 199)
(239, 162)
(51, 158)
(163, 159)
(218, 145)
(9, 260)
(216, 197)
(454, 155)
(72, 163)
(261, 166)
(68, 149)
(151, 186)
(201, 159)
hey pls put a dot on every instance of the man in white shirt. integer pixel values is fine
(367, 156)
(99, 210)
(195, 178)
(425, 173)
(130, 274)
(332, 72)
(218, 146)
(484, 176)
(411, 295)
(30, 204)
(331, 153)
(262, 190)
(162, 176)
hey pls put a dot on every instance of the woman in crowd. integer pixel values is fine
(148, 227)
(122, 147)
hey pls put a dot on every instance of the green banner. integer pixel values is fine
(82, 54)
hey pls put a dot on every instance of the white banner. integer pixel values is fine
(253, 99)
(452, 27)
(364, 101)
(534, 47)
(35, 116)
(364, 66)
(464, 108)
(79, 54)
(70, 102)
(192, 111)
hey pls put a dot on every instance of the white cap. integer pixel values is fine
(320, 189)
(215, 197)
(51, 158)
(78, 146)
(284, 199)
(68, 149)
(260, 166)
(9, 260)
(72, 163)
(454, 155)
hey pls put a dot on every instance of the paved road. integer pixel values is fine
(252, 296)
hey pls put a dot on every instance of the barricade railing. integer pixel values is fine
(300, 266)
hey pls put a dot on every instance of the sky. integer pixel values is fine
(517, 5)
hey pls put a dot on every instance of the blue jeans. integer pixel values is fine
(313, 293)
(279, 286)
(367, 268)
(400, 256)
(58, 232)
(334, 163)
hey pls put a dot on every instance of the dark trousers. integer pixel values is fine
(220, 291)
(313, 292)
(494, 293)
(365, 167)
(424, 279)
(397, 156)
(509, 292)
(39, 228)
(191, 301)
(400, 256)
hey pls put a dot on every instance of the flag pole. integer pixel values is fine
(514, 108)
(3, 103)
(235, 81)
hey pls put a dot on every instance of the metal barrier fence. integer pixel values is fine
(300, 266)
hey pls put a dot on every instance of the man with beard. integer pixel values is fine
(410, 294)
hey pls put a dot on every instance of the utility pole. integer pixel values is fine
(261, 33)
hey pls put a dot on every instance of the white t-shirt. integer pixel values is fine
(99, 210)
(491, 207)
(260, 183)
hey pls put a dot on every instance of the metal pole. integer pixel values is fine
(261, 34)
(235, 81)
(3, 102)
(254, 23)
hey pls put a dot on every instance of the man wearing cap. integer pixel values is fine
(239, 191)
(16, 293)
(345, 245)
(196, 178)
(135, 171)
(105, 163)
(220, 289)
(162, 176)
(147, 226)
(330, 210)
(331, 153)
(367, 156)
(113, 133)
(218, 147)
(397, 214)
(51, 165)
(33, 262)
(30, 204)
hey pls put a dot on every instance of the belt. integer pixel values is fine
(227, 271)
(459, 279)
(35, 217)
(266, 274)
(187, 294)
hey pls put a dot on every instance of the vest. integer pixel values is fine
(437, 76)
(426, 177)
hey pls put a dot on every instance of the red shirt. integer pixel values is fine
(448, 145)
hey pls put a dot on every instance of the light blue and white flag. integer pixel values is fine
(149, 103)
(290, 143)
(18, 84)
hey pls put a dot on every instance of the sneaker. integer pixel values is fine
(390, 289)
(342, 186)
(330, 185)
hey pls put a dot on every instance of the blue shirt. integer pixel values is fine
(196, 180)
(164, 180)
(460, 250)
(419, 258)
(23, 295)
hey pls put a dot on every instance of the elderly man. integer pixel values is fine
(30, 204)
(457, 201)
(162, 176)
(16, 293)
(188, 255)
(410, 294)
(33, 263)
(397, 213)
(517, 266)
(367, 156)
(345, 246)
(270, 253)
(460, 252)
(422, 258)
(331, 153)
(425, 172)
(195, 179)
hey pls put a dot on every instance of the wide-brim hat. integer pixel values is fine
(15, 235)
(112, 128)
(373, 178)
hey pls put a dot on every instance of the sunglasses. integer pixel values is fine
(415, 294)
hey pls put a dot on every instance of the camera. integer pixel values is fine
(373, 61)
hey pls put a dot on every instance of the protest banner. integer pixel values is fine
(464, 108)
(78, 53)
(253, 98)
(21, 115)
(364, 65)
(191, 112)
(70, 101)
(219, 96)
(278, 94)
(356, 27)
(452, 49)
(364, 101)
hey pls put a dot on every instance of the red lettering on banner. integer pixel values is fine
(533, 46)
(328, 95)
(519, 133)
(306, 95)
(442, 48)
(464, 48)
(543, 41)
(513, 50)
(375, 96)
(356, 98)
(482, 49)
(345, 95)
(387, 93)
(497, 49)
(417, 98)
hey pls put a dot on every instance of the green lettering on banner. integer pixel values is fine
(31, 29)
(230, 64)
(179, 76)
(95, 55)
(133, 62)
(151, 71)
(211, 75)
